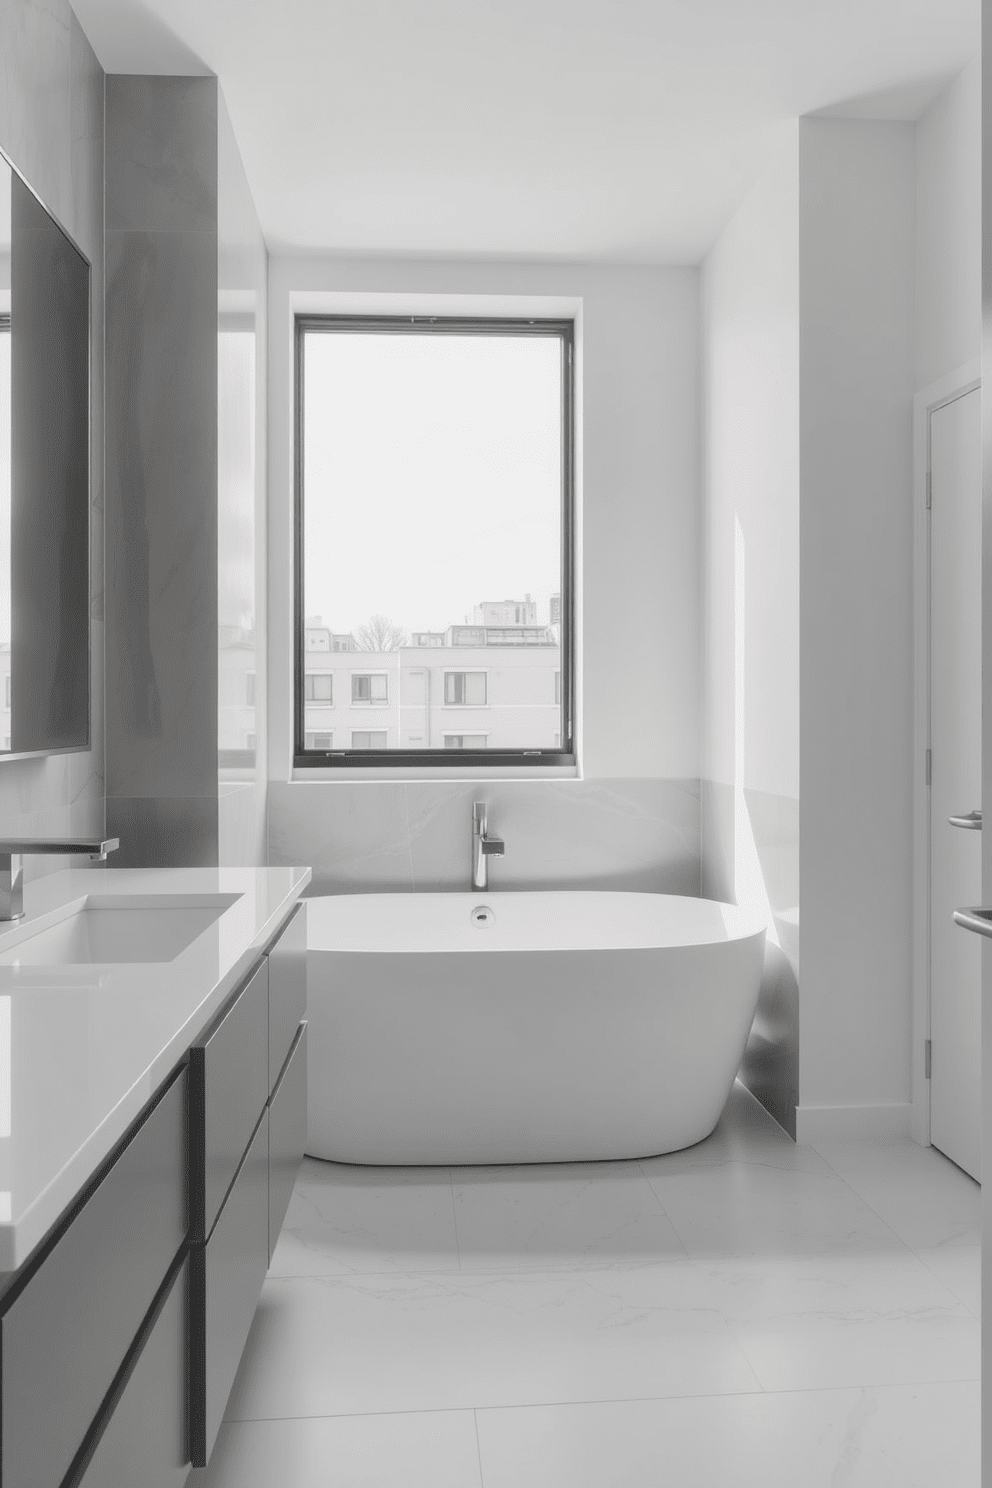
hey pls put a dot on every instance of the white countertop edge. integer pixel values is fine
(20, 1236)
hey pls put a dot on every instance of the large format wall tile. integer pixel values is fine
(417, 836)
(162, 154)
(355, 840)
(34, 97)
(161, 514)
(164, 831)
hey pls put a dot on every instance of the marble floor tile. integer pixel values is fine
(335, 1346)
(921, 1436)
(826, 1322)
(424, 1449)
(739, 1209)
(564, 1216)
(347, 1220)
(921, 1194)
(745, 1133)
(959, 1267)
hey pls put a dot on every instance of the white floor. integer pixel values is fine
(746, 1312)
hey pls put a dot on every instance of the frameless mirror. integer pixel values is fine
(44, 479)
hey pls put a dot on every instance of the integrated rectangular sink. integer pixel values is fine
(107, 929)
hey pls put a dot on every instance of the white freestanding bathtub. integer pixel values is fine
(523, 1027)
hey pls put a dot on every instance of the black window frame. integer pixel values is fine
(564, 331)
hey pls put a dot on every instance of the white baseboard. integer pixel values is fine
(880, 1123)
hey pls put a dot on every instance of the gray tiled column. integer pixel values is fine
(161, 427)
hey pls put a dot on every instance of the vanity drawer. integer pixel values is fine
(287, 1133)
(226, 1282)
(65, 1335)
(287, 989)
(144, 1444)
(229, 1085)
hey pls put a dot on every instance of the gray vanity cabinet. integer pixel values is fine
(120, 1338)
(70, 1320)
(287, 990)
(228, 1089)
(287, 1133)
(145, 1442)
(227, 1276)
(248, 1088)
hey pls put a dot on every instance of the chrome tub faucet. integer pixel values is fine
(484, 847)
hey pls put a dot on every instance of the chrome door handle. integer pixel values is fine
(972, 822)
(979, 920)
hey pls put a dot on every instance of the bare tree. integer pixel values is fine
(379, 633)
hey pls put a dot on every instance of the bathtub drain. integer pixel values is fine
(482, 915)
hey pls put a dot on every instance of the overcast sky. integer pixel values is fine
(432, 478)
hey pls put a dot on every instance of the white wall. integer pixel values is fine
(241, 505)
(949, 229)
(858, 367)
(750, 797)
(638, 575)
(750, 304)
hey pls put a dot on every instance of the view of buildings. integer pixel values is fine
(493, 682)
(490, 682)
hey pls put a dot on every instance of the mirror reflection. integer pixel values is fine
(44, 479)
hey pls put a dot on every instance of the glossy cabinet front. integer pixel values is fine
(287, 1133)
(227, 1276)
(287, 990)
(67, 1328)
(229, 1085)
(120, 1338)
(145, 1443)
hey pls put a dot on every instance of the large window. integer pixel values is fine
(434, 535)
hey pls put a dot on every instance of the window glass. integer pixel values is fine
(373, 688)
(434, 503)
(465, 688)
(319, 687)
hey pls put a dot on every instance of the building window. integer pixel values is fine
(369, 687)
(250, 689)
(465, 689)
(434, 509)
(320, 741)
(319, 687)
(557, 687)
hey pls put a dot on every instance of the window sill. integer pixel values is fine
(468, 773)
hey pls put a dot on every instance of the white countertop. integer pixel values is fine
(84, 1047)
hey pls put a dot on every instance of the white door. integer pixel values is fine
(956, 743)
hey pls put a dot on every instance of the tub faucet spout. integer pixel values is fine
(484, 847)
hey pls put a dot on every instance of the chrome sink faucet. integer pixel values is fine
(13, 849)
(484, 847)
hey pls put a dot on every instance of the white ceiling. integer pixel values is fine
(622, 130)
